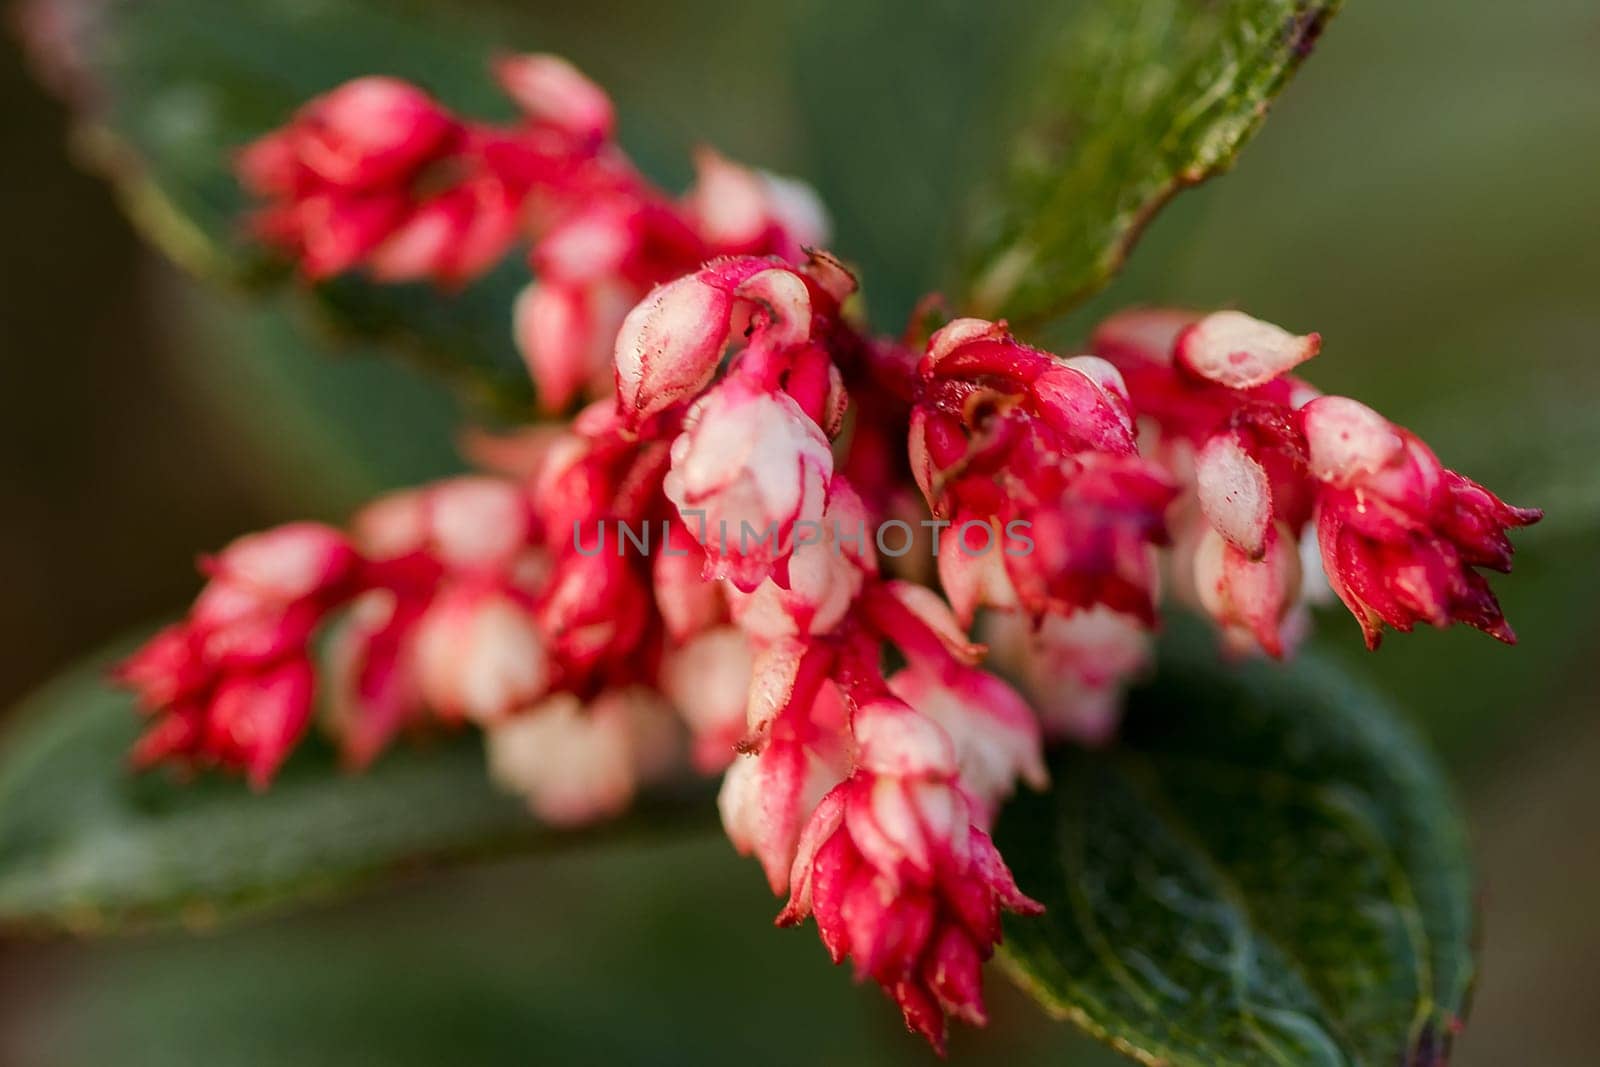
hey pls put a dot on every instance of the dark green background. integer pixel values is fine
(1423, 196)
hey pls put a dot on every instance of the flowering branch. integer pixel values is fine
(726, 538)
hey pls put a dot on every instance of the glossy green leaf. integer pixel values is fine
(1268, 870)
(1135, 102)
(181, 85)
(87, 845)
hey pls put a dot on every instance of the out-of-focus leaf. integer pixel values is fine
(87, 845)
(1137, 102)
(178, 86)
(637, 953)
(322, 435)
(1268, 870)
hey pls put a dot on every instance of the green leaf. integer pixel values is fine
(1136, 102)
(88, 845)
(185, 83)
(321, 435)
(1268, 870)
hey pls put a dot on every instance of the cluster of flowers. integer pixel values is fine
(378, 175)
(1397, 535)
(743, 394)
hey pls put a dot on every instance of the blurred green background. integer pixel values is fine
(1423, 195)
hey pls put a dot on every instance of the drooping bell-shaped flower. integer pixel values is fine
(479, 653)
(347, 177)
(747, 468)
(231, 685)
(1073, 668)
(749, 212)
(995, 733)
(551, 90)
(1010, 441)
(565, 335)
(577, 762)
(766, 798)
(1402, 536)
(899, 879)
(1249, 597)
(708, 679)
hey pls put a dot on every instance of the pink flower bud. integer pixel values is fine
(593, 613)
(1235, 350)
(688, 604)
(370, 677)
(798, 213)
(231, 684)
(822, 587)
(1142, 335)
(824, 574)
(478, 522)
(270, 165)
(742, 211)
(900, 882)
(1034, 461)
(817, 386)
(1402, 537)
(1085, 401)
(784, 307)
(670, 344)
(729, 203)
(552, 90)
(1348, 441)
(748, 468)
(375, 173)
(765, 800)
(471, 523)
(995, 732)
(1104, 374)
(254, 721)
(709, 681)
(234, 627)
(1235, 494)
(166, 668)
(909, 614)
(564, 334)
(892, 738)
(267, 592)
(1073, 668)
(350, 180)
(574, 763)
(954, 335)
(285, 564)
(1250, 597)
(552, 332)
(972, 570)
(590, 245)
(424, 244)
(786, 683)
(369, 131)
(455, 235)
(479, 654)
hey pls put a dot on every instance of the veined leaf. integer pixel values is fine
(1138, 101)
(1267, 870)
